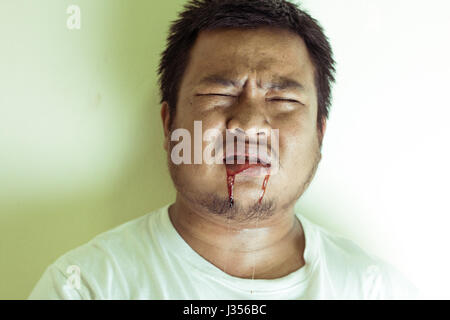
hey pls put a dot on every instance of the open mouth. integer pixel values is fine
(250, 165)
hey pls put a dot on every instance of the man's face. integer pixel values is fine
(256, 81)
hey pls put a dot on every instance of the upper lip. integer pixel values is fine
(259, 157)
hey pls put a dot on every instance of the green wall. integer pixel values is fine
(80, 134)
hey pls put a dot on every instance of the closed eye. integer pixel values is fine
(284, 100)
(214, 95)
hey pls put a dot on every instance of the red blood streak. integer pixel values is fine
(231, 174)
(266, 179)
(230, 182)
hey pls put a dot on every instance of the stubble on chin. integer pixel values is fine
(239, 213)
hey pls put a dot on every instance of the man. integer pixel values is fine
(261, 72)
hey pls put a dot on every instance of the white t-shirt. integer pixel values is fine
(146, 258)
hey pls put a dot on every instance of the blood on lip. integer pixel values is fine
(232, 171)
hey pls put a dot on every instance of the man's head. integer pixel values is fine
(250, 65)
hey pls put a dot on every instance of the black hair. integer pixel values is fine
(201, 15)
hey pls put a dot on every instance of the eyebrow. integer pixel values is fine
(217, 79)
(277, 82)
(282, 83)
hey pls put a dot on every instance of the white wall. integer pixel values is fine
(384, 177)
(80, 131)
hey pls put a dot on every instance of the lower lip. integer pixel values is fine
(247, 170)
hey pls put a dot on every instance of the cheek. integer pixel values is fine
(213, 120)
(298, 145)
(202, 174)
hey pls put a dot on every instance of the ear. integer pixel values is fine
(324, 128)
(165, 117)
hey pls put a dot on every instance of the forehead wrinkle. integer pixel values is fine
(238, 75)
(276, 82)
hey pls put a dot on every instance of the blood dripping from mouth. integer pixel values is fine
(230, 182)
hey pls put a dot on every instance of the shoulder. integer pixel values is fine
(111, 244)
(353, 272)
(98, 269)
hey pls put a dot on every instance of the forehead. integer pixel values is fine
(235, 53)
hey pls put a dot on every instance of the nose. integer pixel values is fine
(248, 115)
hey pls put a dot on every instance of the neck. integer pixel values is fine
(265, 249)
